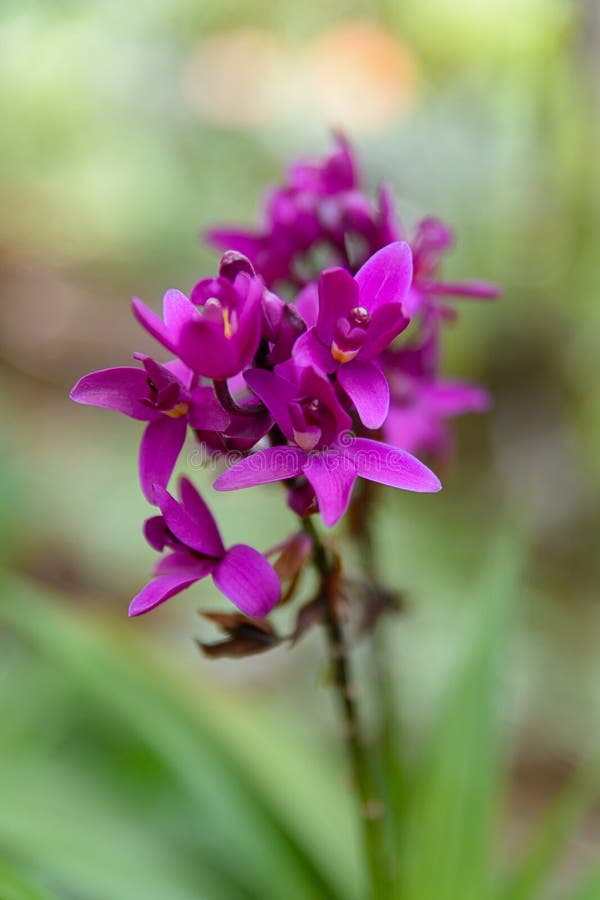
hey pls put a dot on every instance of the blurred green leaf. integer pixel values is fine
(446, 835)
(258, 819)
(14, 885)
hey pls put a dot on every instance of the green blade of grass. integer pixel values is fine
(447, 833)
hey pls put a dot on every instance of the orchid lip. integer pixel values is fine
(306, 440)
(178, 411)
(343, 356)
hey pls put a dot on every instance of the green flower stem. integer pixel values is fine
(370, 804)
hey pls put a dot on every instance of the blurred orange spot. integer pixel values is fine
(364, 77)
(355, 75)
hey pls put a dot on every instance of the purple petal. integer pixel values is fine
(195, 534)
(432, 238)
(159, 590)
(413, 430)
(248, 580)
(154, 325)
(387, 322)
(272, 464)
(182, 373)
(276, 393)
(388, 465)
(413, 302)
(120, 389)
(368, 388)
(307, 304)
(184, 562)
(475, 290)
(309, 351)
(206, 412)
(161, 445)
(453, 398)
(386, 276)
(250, 323)
(204, 347)
(332, 475)
(220, 288)
(338, 295)
(197, 508)
(177, 311)
(314, 384)
(235, 239)
(246, 431)
(156, 533)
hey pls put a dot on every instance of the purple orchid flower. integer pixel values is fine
(356, 320)
(190, 532)
(303, 402)
(332, 471)
(167, 397)
(217, 331)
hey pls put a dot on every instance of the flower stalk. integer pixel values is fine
(371, 806)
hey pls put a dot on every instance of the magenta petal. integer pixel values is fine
(184, 562)
(159, 590)
(177, 311)
(197, 508)
(182, 373)
(234, 239)
(412, 430)
(153, 324)
(332, 475)
(205, 411)
(199, 534)
(161, 445)
(470, 290)
(206, 350)
(309, 351)
(250, 323)
(453, 398)
(120, 389)
(272, 464)
(387, 322)
(368, 388)
(307, 304)
(386, 276)
(276, 393)
(338, 295)
(388, 465)
(248, 580)
(413, 302)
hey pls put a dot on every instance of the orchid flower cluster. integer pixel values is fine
(311, 359)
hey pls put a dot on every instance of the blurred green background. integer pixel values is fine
(132, 768)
